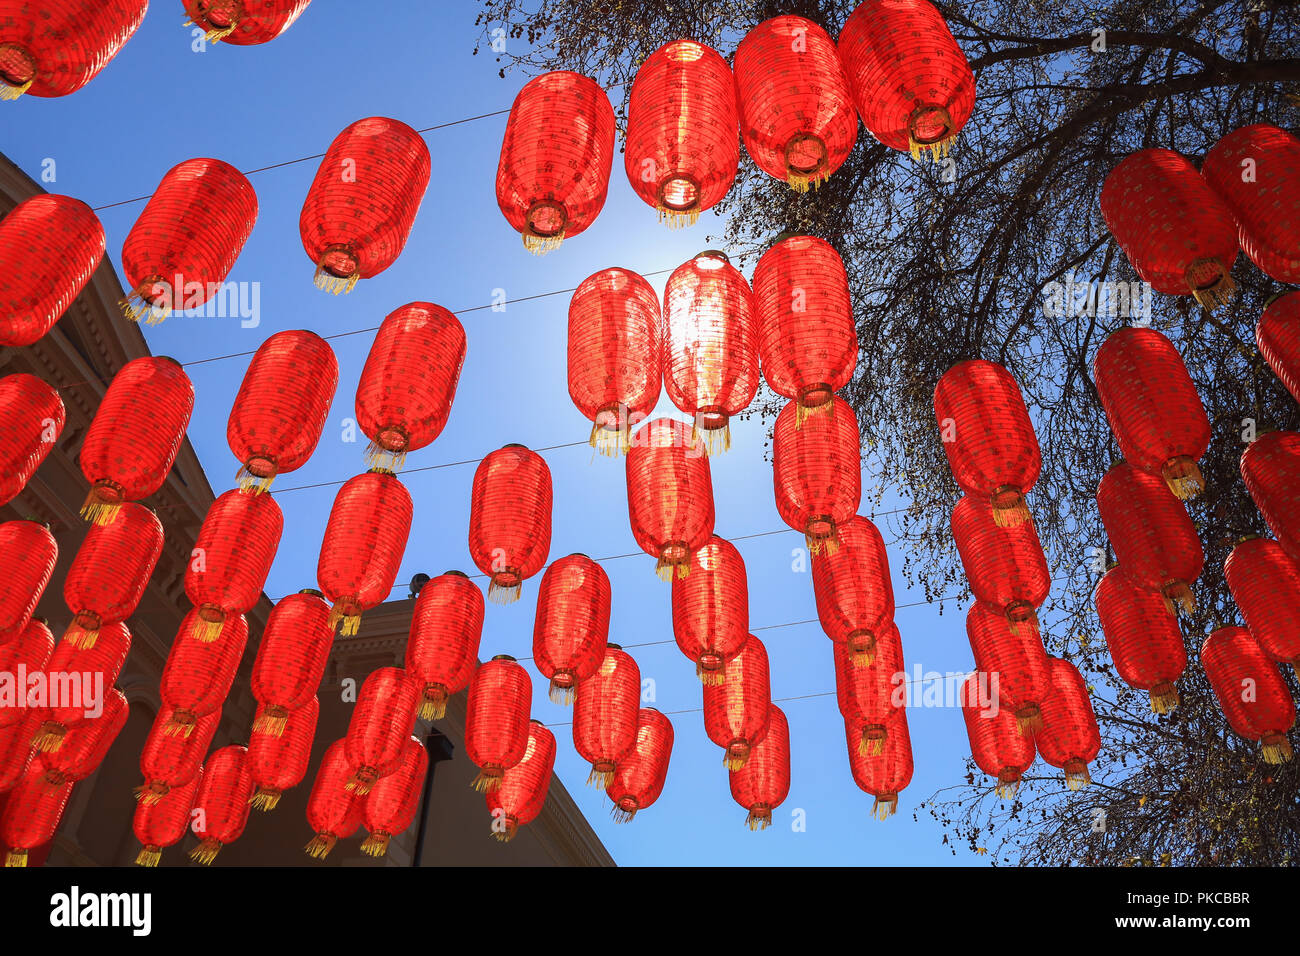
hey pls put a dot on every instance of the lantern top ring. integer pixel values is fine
(546, 219)
(679, 193)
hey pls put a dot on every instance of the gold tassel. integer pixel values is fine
(328, 282)
(803, 182)
(1009, 513)
(611, 443)
(181, 724)
(213, 34)
(1164, 697)
(1018, 613)
(1276, 748)
(504, 593)
(148, 856)
(351, 622)
(433, 705)
(271, 721)
(10, 92)
(16, 858)
(938, 151)
(541, 245)
(760, 818)
(508, 834)
(717, 441)
(884, 806)
(562, 694)
(803, 412)
(620, 815)
(822, 542)
(1216, 295)
(1176, 595)
(711, 677)
(487, 781)
(205, 631)
(49, 736)
(80, 637)
(206, 852)
(135, 306)
(872, 742)
(862, 648)
(1029, 720)
(377, 456)
(375, 844)
(264, 799)
(1183, 476)
(1076, 774)
(252, 484)
(97, 511)
(666, 567)
(151, 792)
(320, 845)
(1008, 784)
(676, 218)
(736, 756)
(361, 781)
(602, 775)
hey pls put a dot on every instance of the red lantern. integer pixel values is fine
(442, 648)
(496, 719)
(522, 793)
(1277, 335)
(290, 659)
(683, 144)
(710, 347)
(1152, 406)
(510, 519)
(998, 747)
(572, 624)
(639, 777)
(276, 420)
(170, 761)
(1005, 565)
(1069, 739)
(736, 710)
(30, 554)
(883, 775)
(56, 49)
(988, 437)
(1144, 640)
(16, 751)
(711, 608)
(807, 343)
(333, 811)
(278, 762)
(910, 80)
(21, 656)
(1153, 537)
(244, 22)
(409, 381)
(231, 559)
(362, 203)
(869, 696)
(1270, 466)
(555, 158)
(1265, 583)
(855, 596)
(87, 744)
(83, 671)
(763, 783)
(31, 419)
(392, 802)
(110, 572)
(180, 250)
(669, 495)
(817, 472)
(1263, 204)
(1250, 690)
(615, 365)
(1014, 660)
(605, 714)
(223, 797)
(164, 822)
(382, 720)
(32, 812)
(1178, 235)
(135, 435)
(796, 111)
(364, 541)
(198, 674)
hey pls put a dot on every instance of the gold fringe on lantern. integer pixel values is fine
(504, 593)
(562, 694)
(328, 282)
(1019, 613)
(1183, 476)
(1010, 510)
(320, 845)
(361, 781)
(148, 856)
(213, 34)
(250, 483)
(736, 755)
(619, 815)
(872, 741)
(803, 412)
(1076, 774)
(135, 306)
(885, 806)
(711, 677)
(825, 542)
(487, 781)
(81, 637)
(541, 245)
(433, 704)
(862, 648)
(377, 456)
(205, 631)
(150, 792)
(16, 858)
(1164, 697)
(351, 622)
(180, 724)
(666, 567)
(10, 92)
(760, 818)
(49, 736)
(206, 852)
(376, 844)
(1217, 294)
(1008, 784)
(677, 218)
(506, 835)
(938, 150)
(1276, 748)
(716, 441)
(611, 443)
(97, 511)
(264, 799)
(1179, 594)
(803, 182)
(1029, 720)
(271, 721)
(602, 775)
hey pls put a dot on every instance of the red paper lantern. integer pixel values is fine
(333, 811)
(276, 420)
(855, 596)
(16, 751)
(223, 797)
(232, 558)
(1144, 640)
(244, 22)
(1006, 566)
(1153, 537)
(180, 250)
(56, 49)
(171, 761)
(1254, 171)
(1069, 739)
(998, 747)
(86, 672)
(1265, 583)
(615, 365)
(796, 112)
(736, 710)
(135, 435)
(1270, 466)
(21, 656)
(278, 762)
(392, 802)
(364, 541)
(683, 143)
(31, 419)
(763, 783)
(555, 158)
(409, 381)
(510, 519)
(496, 719)
(1277, 335)
(1178, 235)
(605, 714)
(442, 648)
(290, 659)
(32, 812)
(711, 608)
(29, 555)
(710, 347)
(382, 720)
(198, 674)
(164, 822)
(817, 472)
(362, 203)
(910, 80)
(988, 437)
(110, 572)
(1152, 406)
(884, 775)
(522, 793)
(639, 777)
(669, 495)
(49, 247)
(1014, 659)
(807, 342)
(572, 624)
(87, 744)
(1250, 690)
(870, 697)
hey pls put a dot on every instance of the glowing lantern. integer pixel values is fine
(763, 783)
(382, 720)
(867, 695)
(243, 22)
(333, 811)
(1016, 659)
(1069, 739)
(21, 656)
(1005, 565)
(572, 624)
(711, 608)
(30, 554)
(32, 812)
(1253, 170)
(1265, 583)
(817, 472)
(31, 419)
(496, 719)
(442, 648)
(1250, 690)
(1277, 335)
(884, 775)
(1270, 466)
(669, 495)
(110, 572)
(639, 777)
(198, 674)
(510, 519)
(87, 744)
(736, 710)
(56, 49)
(278, 762)
(999, 749)
(392, 802)
(162, 823)
(855, 596)
(223, 797)
(98, 666)
(170, 761)
(605, 714)
(232, 558)
(1144, 639)
(291, 659)
(522, 793)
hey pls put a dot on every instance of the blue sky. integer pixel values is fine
(160, 102)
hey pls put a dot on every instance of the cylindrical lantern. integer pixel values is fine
(1006, 566)
(605, 714)
(278, 762)
(669, 494)
(736, 710)
(1014, 659)
(496, 719)
(1277, 335)
(442, 648)
(383, 718)
(522, 793)
(868, 696)
(711, 608)
(32, 812)
(855, 596)
(87, 744)
(639, 777)
(291, 659)
(164, 822)
(1069, 739)
(884, 775)
(763, 783)
(31, 419)
(110, 572)
(223, 797)
(16, 751)
(1250, 690)
(817, 472)
(198, 674)
(29, 555)
(231, 559)
(999, 749)
(510, 519)
(1270, 466)
(572, 624)
(23, 655)
(170, 761)
(98, 666)
(333, 811)
(1145, 641)
(244, 22)
(56, 49)
(1265, 583)
(392, 802)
